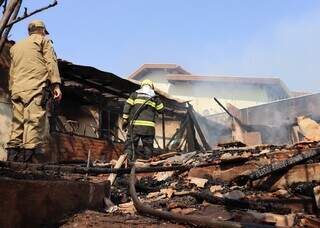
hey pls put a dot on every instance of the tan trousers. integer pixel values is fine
(28, 123)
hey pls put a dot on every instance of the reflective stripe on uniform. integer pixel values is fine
(160, 106)
(125, 116)
(144, 123)
(142, 101)
(130, 101)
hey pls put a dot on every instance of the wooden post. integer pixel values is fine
(197, 127)
(119, 163)
(163, 133)
(191, 137)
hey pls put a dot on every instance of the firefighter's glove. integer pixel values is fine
(125, 125)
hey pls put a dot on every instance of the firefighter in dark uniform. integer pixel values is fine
(144, 123)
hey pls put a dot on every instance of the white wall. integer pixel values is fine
(200, 94)
(5, 126)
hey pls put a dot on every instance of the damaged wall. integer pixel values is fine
(66, 147)
(80, 119)
(273, 120)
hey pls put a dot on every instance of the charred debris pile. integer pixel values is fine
(230, 185)
(266, 185)
(263, 185)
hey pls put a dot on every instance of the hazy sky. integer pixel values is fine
(260, 38)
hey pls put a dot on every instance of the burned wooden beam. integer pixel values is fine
(243, 204)
(97, 85)
(300, 175)
(198, 128)
(278, 166)
(226, 110)
(192, 142)
(163, 132)
(93, 170)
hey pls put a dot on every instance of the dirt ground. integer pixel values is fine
(98, 219)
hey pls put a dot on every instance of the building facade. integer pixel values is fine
(241, 92)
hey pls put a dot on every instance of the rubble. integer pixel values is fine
(212, 190)
(199, 183)
(102, 220)
(309, 128)
(263, 185)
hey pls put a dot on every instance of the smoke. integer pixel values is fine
(274, 121)
(241, 95)
(216, 129)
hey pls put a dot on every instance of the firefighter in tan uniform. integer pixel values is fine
(33, 62)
